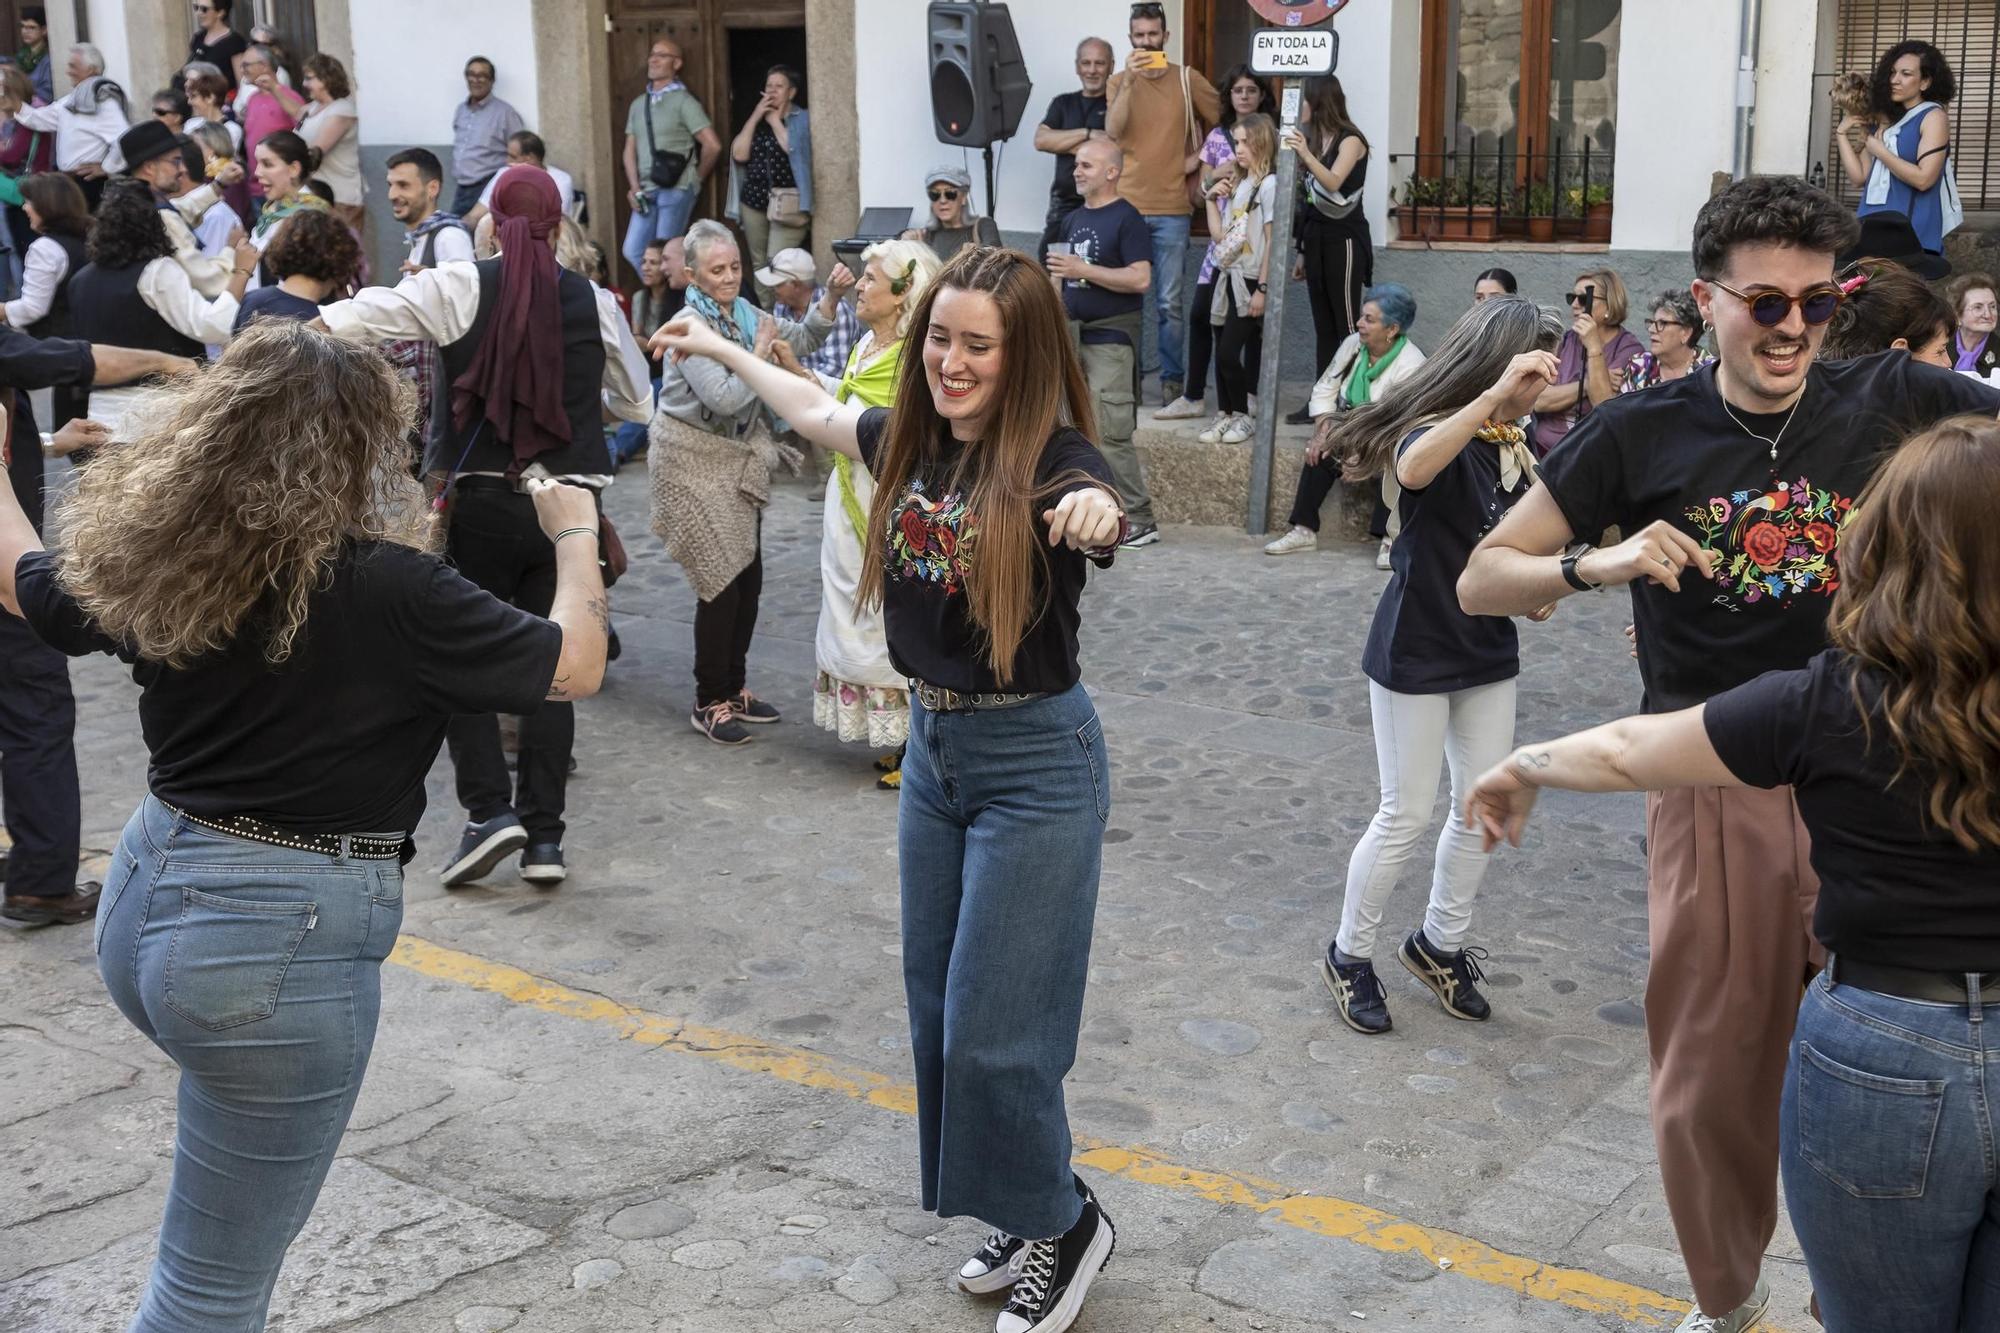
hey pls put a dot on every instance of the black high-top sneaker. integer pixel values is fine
(991, 1267)
(1054, 1276)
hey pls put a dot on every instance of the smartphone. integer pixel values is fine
(1151, 60)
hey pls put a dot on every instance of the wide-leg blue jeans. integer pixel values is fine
(257, 969)
(1001, 837)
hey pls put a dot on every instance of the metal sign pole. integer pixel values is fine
(1263, 445)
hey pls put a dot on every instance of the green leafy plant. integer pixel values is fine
(1424, 191)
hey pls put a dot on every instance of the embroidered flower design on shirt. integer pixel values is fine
(931, 541)
(1777, 544)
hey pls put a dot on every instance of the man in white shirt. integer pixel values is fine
(416, 181)
(526, 149)
(86, 122)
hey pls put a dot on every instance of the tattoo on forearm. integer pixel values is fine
(558, 690)
(1536, 760)
(600, 611)
(831, 413)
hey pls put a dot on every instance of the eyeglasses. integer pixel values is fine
(204, 9)
(1582, 300)
(949, 196)
(1656, 325)
(164, 111)
(1149, 9)
(1769, 308)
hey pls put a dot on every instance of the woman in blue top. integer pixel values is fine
(1440, 682)
(1900, 167)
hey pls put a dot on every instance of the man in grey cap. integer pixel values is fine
(793, 278)
(952, 226)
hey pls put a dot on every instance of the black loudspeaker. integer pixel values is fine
(979, 83)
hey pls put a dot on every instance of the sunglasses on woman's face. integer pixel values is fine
(1583, 300)
(949, 196)
(163, 111)
(1769, 307)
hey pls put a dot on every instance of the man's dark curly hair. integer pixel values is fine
(314, 243)
(128, 230)
(1771, 210)
(1931, 65)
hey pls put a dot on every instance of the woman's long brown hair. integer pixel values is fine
(1041, 388)
(1919, 607)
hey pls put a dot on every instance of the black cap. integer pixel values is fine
(145, 141)
(1890, 236)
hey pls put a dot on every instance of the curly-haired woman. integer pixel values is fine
(1900, 162)
(314, 258)
(1673, 333)
(1889, 738)
(298, 653)
(133, 292)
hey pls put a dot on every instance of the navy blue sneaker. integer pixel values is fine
(1449, 975)
(1364, 1005)
(542, 863)
(747, 707)
(484, 846)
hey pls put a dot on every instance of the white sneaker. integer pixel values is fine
(1239, 429)
(1212, 434)
(1742, 1318)
(1296, 541)
(1181, 409)
(1382, 555)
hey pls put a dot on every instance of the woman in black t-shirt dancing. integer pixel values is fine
(990, 501)
(257, 556)
(1891, 740)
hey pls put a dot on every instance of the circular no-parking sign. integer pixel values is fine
(1296, 13)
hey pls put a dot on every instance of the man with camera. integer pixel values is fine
(663, 130)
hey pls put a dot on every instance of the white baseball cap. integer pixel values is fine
(793, 265)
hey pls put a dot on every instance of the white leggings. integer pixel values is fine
(1472, 730)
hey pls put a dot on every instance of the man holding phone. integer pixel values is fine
(1159, 113)
(670, 148)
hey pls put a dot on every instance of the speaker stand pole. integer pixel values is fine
(992, 201)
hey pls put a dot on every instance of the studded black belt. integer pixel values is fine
(937, 699)
(358, 846)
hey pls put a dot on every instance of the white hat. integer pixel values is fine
(792, 265)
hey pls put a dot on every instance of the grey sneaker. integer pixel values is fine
(1182, 408)
(1212, 433)
(1239, 429)
(1739, 1320)
(1295, 542)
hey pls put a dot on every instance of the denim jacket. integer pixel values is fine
(798, 128)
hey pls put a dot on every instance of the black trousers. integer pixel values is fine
(1201, 344)
(495, 541)
(723, 627)
(1339, 267)
(38, 784)
(1316, 482)
(1240, 353)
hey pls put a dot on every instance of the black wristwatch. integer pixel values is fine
(1571, 577)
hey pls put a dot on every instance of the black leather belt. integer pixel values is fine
(937, 699)
(357, 846)
(1912, 983)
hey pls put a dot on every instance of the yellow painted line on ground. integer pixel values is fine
(1317, 1214)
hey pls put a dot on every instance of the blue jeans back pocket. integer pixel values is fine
(123, 867)
(1091, 735)
(1869, 1134)
(228, 957)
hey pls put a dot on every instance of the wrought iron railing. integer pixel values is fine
(1504, 193)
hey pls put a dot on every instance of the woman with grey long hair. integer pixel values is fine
(710, 459)
(1440, 682)
(1674, 331)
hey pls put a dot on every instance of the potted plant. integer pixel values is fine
(1597, 213)
(1541, 211)
(1417, 216)
(1471, 212)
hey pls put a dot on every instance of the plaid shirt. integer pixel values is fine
(417, 359)
(831, 358)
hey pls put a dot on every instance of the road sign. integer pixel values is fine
(1297, 13)
(1293, 52)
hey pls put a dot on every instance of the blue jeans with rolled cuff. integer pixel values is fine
(1887, 1147)
(257, 970)
(1000, 835)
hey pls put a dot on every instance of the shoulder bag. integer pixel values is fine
(1330, 203)
(1191, 135)
(667, 168)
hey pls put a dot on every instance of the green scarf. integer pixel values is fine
(300, 202)
(874, 385)
(1361, 380)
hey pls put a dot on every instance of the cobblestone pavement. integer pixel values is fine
(670, 1096)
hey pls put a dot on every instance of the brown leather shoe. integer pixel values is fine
(79, 904)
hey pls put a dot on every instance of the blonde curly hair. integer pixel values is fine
(233, 505)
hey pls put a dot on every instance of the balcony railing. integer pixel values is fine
(1505, 194)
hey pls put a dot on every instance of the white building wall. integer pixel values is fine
(107, 34)
(408, 55)
(1381, 53)
(1787, 97)
(898, 138)
(1676, 117)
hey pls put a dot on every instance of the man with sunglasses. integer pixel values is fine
(1733, 483)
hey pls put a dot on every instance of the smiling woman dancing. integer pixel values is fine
(990, 503)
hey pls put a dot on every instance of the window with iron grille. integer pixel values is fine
(1967, 33)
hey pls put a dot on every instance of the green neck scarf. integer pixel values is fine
(1361, 380)
(874, 385)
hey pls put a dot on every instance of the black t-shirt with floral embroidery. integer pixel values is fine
(931, 544)
(1674, 453)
